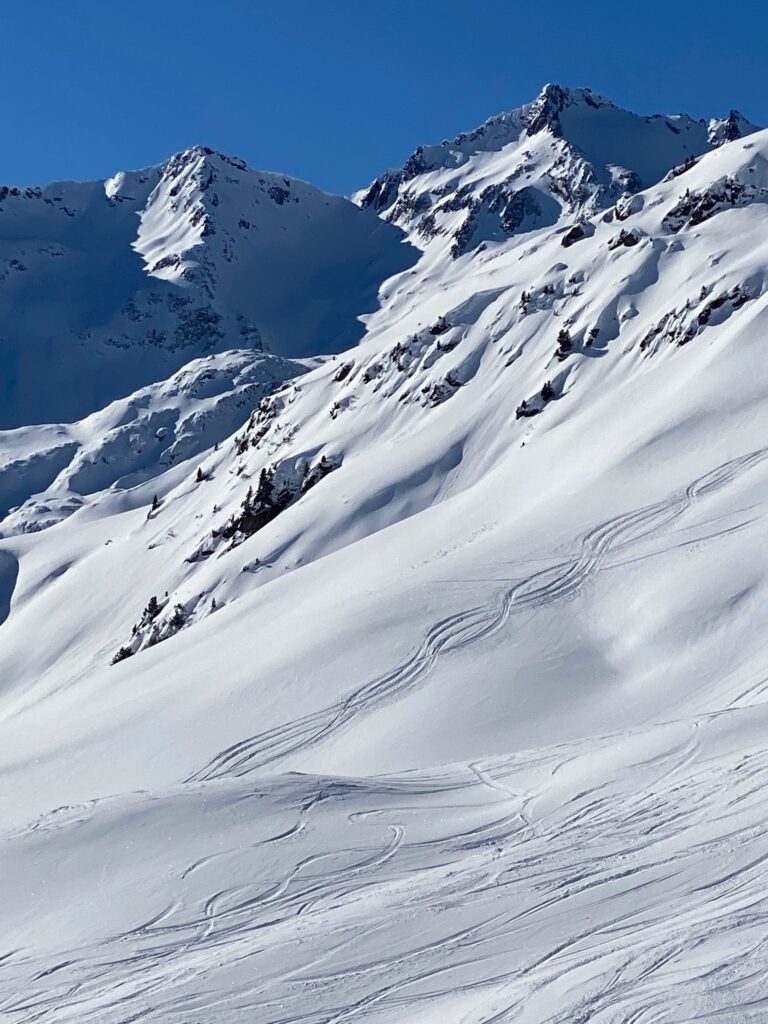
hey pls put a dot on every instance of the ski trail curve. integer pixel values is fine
(465, 628)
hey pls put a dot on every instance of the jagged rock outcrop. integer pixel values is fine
(569, 152)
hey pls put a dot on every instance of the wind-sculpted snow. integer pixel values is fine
(421, 681)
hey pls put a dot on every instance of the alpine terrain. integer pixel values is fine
(383, 584)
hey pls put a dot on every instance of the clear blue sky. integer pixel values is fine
(336, 92)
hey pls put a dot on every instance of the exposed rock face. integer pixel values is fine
(569, 152)
(696, 207)
(424, 681)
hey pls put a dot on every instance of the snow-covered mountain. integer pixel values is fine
(423, 680)
(571, 151)
(108, 286)
(133, 439)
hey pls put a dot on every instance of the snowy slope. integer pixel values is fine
(108, 286)
(438, 687)
(134, 439)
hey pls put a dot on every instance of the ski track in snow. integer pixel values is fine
(545, 902)
(527, 895)
(464, 628)
(562, 903)
(613, 879)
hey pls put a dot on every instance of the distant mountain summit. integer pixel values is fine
(423, 681)
(570, 151)
(106, 286)
(607, 133)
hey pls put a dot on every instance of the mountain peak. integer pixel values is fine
(194, 155)
(572, 151)
(545, 110)
(728, 129)
(431, 667)
(545, 113)
(196, 255)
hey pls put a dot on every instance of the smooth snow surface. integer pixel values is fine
(439, 683)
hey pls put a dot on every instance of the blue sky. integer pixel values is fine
(337, 92)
